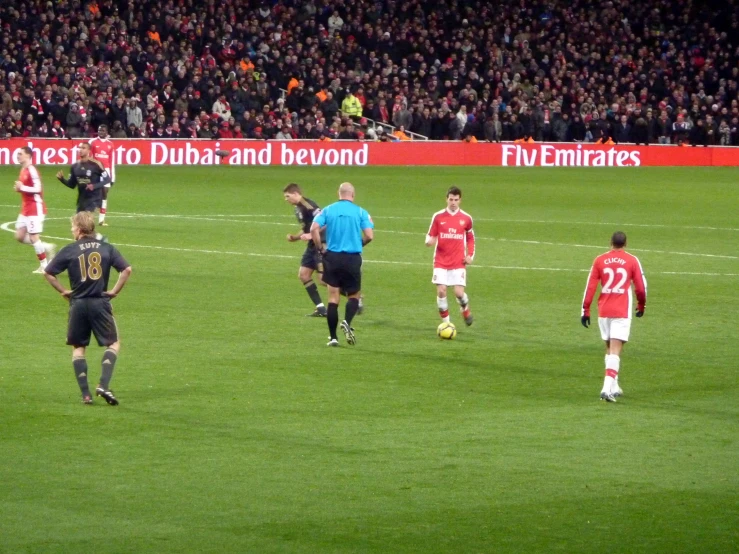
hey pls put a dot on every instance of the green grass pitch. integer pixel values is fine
(239, 431)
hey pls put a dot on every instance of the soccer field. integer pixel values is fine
(239, 431)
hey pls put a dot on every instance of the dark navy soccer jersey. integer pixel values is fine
(306, 210)
(87, 262)
(83, 174)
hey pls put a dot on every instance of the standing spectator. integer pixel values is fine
(578, 131)
(560, 126)
(622, 133)
(329, 107)
(57, 131)
(640, 132)
(401, 116)
(133, 114)
(335, 23)
(74, 121)
(351, 106)
(381, 113)
(493, 129)
(222, 108)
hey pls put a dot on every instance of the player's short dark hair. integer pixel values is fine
(454, 191)
(27, 150)
(618, 240)
(103, 126)
(292, 188)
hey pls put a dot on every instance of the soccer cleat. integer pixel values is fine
(333, 342)
(319, 312)
(39, 269)
(50, 250)
(607, 396)
(616, 391)
(103, 224)
(348, 333)
(87, 399)
(107, 395)
(469, 320)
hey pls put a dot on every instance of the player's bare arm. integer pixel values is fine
(57, 286)
(122, 278)
(368, 236)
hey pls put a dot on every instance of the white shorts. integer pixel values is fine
(614, 328)
(450, 277)
(34, 224)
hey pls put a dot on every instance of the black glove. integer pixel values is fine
(585, 320)
(639, 313)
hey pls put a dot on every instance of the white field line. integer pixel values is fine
(6, 227)
(519, 241)
(493, 220)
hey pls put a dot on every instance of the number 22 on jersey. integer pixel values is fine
(611, 275)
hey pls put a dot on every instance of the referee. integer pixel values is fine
(348, 228)
(88, 262)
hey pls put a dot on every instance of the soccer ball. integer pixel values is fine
(446, 331)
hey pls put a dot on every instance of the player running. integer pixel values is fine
(30, 222)
(101, 148)
(311, 262)
(87, 261)
(89, 177)
(454, 240)
(616, 270)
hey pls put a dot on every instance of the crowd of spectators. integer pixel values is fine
(657, 71)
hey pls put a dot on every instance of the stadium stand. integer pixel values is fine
(543, 70)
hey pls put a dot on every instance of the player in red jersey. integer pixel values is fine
(454, 240)
(30, 223)
(615, 270)
(101, 149)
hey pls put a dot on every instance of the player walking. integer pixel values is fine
(349, 229)
(89, 177)
(87, 261)
(306, 210)
(454, 240)
(30, 222)
(101, 148)
(615, 270)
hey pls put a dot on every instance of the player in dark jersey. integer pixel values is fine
(89, 177)
(87, 261)
(305, 211)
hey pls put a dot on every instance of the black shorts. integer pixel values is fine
(312, 259)
(89, 206)
(91, 316)
(343, 271)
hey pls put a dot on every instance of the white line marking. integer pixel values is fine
(493, 220)
(6, 227)
(218, 218)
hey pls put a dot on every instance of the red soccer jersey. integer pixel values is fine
(32, 192)
(102, 151)
(616, 271)
(455, 238)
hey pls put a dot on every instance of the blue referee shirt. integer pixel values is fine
(344, 222)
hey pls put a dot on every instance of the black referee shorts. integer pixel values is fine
(312, 259)
(344, 271)
(91, 316)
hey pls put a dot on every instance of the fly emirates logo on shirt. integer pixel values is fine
(452, 234)
(549, 155)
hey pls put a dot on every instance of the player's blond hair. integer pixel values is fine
(84, 222)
